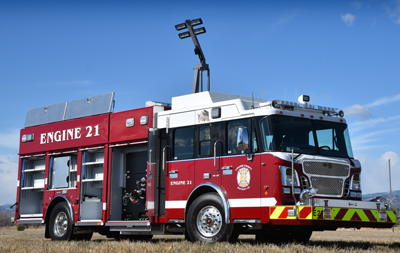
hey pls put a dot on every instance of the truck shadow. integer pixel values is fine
(339, 244)
(311, 244)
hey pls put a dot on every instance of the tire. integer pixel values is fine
(60, 224)
(206, 220)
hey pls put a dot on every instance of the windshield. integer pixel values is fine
(306, 136)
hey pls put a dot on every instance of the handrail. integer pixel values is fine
(215, 156)
(164, 160)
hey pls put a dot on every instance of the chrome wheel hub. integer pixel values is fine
(60, 224)
(209, 221)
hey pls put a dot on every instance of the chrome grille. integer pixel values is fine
(326, 168)
(327, 177)
(327, 186)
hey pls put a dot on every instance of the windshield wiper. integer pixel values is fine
(351, 162)
(297, 156)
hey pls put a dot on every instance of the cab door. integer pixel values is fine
(240, 169)
(179, 172)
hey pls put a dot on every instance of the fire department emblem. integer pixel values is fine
(243, 177)
(203, 116)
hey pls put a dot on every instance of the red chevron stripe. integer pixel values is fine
(355, 217)
(305, 212)
(342, 212)
(369, 215)
(284, 215)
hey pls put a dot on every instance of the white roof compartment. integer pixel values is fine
(209, 97)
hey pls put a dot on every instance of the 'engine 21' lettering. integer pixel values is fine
(68, 134)
(188, 182)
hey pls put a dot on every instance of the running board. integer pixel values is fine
(132, 229)
(139, 223)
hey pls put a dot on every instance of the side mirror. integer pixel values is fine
(242, 139)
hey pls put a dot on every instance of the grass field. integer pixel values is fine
(364, 240)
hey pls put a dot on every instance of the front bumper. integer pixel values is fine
(333, 214)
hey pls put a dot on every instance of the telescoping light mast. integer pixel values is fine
(202, 66)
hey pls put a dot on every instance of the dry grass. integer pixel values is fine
(32, 240)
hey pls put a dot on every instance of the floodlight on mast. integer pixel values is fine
(202, 66)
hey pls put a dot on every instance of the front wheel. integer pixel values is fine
(60, 224)
(206, 220)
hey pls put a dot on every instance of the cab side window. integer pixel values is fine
(232, 128)
(183, 143)
(204, 140)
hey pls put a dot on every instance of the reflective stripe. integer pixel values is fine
(252, 202)
(175, 204)
(233, 203)
(337, 214)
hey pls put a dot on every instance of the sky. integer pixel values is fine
(344, 54)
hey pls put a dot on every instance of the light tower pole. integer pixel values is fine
(202, 66)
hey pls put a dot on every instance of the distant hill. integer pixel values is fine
(6, 207)
(395, 197)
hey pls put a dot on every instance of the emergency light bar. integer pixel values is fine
(303, 99)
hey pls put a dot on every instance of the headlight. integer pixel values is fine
(356, 182)
(287, 177)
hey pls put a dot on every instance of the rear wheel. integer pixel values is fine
(206, 220)
(60, 224)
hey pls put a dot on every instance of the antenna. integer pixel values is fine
(202, 66)
(252, 100)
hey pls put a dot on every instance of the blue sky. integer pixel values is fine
(343, 54)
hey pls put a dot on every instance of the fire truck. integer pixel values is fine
(208, 165)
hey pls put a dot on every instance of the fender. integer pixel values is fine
(69, 206)
(220, 192)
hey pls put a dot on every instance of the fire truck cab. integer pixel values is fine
(209, 165)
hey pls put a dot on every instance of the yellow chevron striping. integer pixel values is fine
(316, 212)
(277, 212)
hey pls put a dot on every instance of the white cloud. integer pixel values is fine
(284, 20)
(372, 123)
(357, 5)
(361, 111)
(393, 10)
(373, 23)
(348, 18)
(8, 179)
(363, 142)
(10, 139)
(384, 101)
(375, 172)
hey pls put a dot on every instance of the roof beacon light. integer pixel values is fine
(304, 99)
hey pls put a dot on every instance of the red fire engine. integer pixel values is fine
(209, 165)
